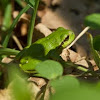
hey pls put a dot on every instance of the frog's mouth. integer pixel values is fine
(69, 39)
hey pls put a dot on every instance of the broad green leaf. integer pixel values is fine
(65, 82)
(49, 69)
(19, 86)
(96, 42)
(31, 2)
(20, 89)
(93, 21)
(94, 52)
(69, 88)
(81, 93)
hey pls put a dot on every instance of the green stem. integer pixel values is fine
(70, 64)
(32, 23)
(7, 17)
(20, 3)
(7, 51)
(6, 40)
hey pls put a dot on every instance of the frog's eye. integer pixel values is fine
(68, 39)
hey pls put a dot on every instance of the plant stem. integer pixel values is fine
(7, 17)
(78, 37)
(21, 3)
(82, 69)
(17, 42)
(6, 40)
(32, 23)
(7, 51)
(70, 64)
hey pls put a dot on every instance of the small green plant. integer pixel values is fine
(55, 69)
(95, 45)
(93, 21)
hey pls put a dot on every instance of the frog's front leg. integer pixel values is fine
(28, 64)
(54, 54)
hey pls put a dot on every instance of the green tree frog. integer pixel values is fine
(43, 48)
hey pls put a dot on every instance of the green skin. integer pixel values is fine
(46, 48)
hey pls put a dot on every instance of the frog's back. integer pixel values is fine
(54, 40)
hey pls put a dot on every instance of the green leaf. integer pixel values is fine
(30, 2)
(93, 21)
(20, 2)
(7, 17)
(65, 82)
(49, 69)
(96, 42)
(8, 51)
(82, 93)
(94, 52)
(20, 89)
(19, 85)
(69, 88)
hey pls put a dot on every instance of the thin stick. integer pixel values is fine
(17, 42)
(78, 37)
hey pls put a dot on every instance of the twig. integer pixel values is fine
(78, 37)
(17, 42)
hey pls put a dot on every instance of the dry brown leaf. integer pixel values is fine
(56, 2)
(24, 29)
(94, 65)
(39, 81)
(92, 62)
(74, 57)
(24, 16)
(22, 26)
(34, 89)
(83, 62)
(5, 94)
(47, 94)
(6, 60)
(64, 55)
(43, 29)
(47, 2)
(52, 20)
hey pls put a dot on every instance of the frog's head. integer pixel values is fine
(66, 37)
